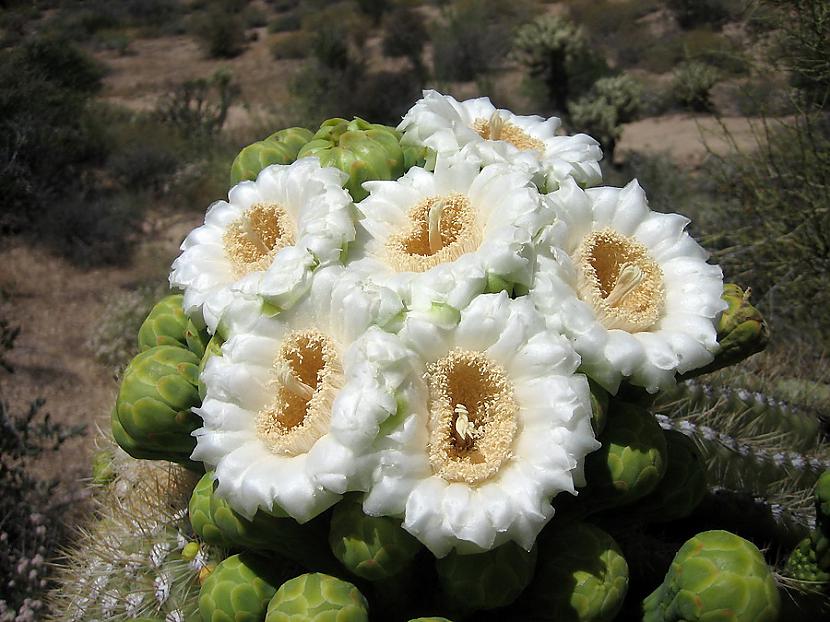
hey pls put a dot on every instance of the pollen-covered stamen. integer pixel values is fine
(252, 241)
(472, 417)
(307, 376)
(440, 229)
(619, 279)
(496, 128)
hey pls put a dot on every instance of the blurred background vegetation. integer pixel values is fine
(120, 118)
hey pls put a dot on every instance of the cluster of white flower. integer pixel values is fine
(429, 345)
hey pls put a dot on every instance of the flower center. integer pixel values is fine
(252, 241)
(441, 229)
(618, 277)
(496, 128)
(472, 417)
(307, 376)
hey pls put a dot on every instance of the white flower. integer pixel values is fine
(628, 286)
(497, 426)
(265, 240)
(449, 234)
(448, 126)
(268, 407)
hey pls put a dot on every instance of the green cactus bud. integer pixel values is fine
(103, 471)
(742, 331)
(823, 502)
(630, 463)
(213, 348)
(715, 575)
(802, 565)
(279, 148)
(683, 486)
(317, 598)
(217, 523)
(486, 580)
(370, 547)
(165, 325)
(599, 406)
(239, 589)
(582, 576)
(364, 151)
(196, 339)
(153, 409)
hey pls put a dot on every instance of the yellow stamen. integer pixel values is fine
(307, 377)
(441, 229)
(473, 417)
(496, 128)
(620, 280)
(252, 241)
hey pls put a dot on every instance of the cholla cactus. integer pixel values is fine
(609, 104)
(692, 84)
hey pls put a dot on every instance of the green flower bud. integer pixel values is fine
(153, 418)
(581, 576)
(365, 151)
(217, 523)
(630, 463)
(683, 486)
(279, 148)
(742, 331)
(486, 580)
(370, 547)
(802, 564)
(715, 575)
(823, 502)
(165, 325)
(317, 598)
(213, 348)
(239, 589)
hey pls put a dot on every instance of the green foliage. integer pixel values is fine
(474, 37)
(220, 29)
(804, 45)
(610, 103)
(692, 84)
(690, 13)
(557, 53)
(291, 45)
(287, 22)
(404, 34)
(198, 108)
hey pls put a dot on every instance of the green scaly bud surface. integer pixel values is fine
(802, 565)
(630, 463)
(152, 417)
(715, 575)
(370, 547)
(238, 590)
(581, 576)
(742, 331)
(317, 598)
(165, 325)
(364, 151)
(683, 486)
(486, 580)
(280, 147)
(822, 495)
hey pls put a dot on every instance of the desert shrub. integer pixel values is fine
(404, 34)
(557, 53)
(32, 526)
(198, 108)
(253, 17)
(291, 45)
(287, 22)
(220, 29)
(804, 45)
(47, 136)
(691, 13)
(374, 9)
(143, 166)
(610, 103)
(338, 34)
(474, 37)
(692, 85)
(775, 231)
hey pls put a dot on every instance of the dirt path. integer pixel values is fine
(57, 305)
